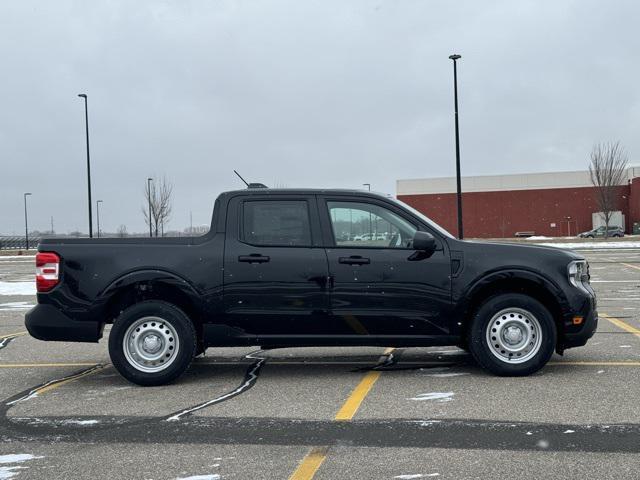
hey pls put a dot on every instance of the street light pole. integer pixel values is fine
(98, 202)
(26, 221)
(86, 121)
(368, 185)
(149, 180)
(458, 182)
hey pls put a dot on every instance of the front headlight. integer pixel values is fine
(578, 272)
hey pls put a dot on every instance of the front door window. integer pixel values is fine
(369, 225)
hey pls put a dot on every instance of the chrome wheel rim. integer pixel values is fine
(151, 344)
(514, 335)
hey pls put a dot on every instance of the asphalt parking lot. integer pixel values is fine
(325, 413)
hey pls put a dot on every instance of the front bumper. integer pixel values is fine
(573, 337)
(45, 322)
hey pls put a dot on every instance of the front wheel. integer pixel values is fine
(512, 335)
(152, 343)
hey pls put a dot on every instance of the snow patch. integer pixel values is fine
(16, 458)
(543, 444)
(592, 245)
(9, 471)
(439, 397)
(80, 422)
(17, 288)
(426, 423)
(569, 431)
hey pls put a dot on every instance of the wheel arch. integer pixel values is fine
(514, 281)
(141, 285)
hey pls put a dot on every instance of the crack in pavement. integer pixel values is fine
(6, 339)
(33, 392)
(250, 378)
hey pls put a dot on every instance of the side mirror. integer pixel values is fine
(424, 242)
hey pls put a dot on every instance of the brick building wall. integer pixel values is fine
(502, 213)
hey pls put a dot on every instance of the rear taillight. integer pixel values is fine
(47, 271)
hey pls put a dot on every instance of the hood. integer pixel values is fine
(515, 253)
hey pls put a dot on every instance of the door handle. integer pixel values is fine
(254, 258)
(354, 260)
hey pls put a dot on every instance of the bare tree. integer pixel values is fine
(607, 169)
(157, 195)
(122, 231)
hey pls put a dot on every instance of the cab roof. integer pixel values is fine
(305, 191)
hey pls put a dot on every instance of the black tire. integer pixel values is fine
(180, 356)
(535, 325)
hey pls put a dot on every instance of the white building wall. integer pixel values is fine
(493, 183)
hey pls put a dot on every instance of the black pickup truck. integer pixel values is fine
(283, 268)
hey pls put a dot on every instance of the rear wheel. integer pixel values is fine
(152, 343)
(512, 335)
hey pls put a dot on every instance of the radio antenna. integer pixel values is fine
(240, 176)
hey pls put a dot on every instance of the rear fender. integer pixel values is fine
(148, 284)
(148, 277)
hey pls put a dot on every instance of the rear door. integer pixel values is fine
(380, 285)
(275, 269)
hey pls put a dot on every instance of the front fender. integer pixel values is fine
(508, 278)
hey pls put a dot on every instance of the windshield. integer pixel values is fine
(422, 217)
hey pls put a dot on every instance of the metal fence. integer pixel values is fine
(18, 242)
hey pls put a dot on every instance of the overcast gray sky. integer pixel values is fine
(298, 93)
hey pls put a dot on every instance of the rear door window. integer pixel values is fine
(276, 223)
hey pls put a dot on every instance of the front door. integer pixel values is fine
(380, 285)
(275, 271)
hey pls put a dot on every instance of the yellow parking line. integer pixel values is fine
(629, 363)
(55, 385)
(358, 395)
(630, 266)
(43, 365)
(352, 404)
(623, 325)
(599, 364)
(11, 335)
(310, 464)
